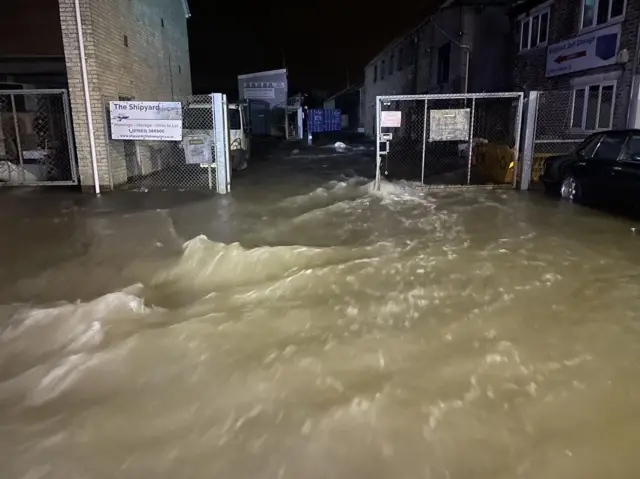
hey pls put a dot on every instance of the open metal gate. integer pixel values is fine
(449, 140)
(36, 139)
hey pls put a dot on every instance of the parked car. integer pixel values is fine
(604, 167)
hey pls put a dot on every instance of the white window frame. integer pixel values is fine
(583, 122)
(595, 25)
(529, 19)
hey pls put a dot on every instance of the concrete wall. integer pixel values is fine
(485, 30)
(151, 64)
(564, 23)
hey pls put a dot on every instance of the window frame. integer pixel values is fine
(583, 122)
(595, 23)
(529, 19)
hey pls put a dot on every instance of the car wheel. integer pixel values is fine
(570, 189)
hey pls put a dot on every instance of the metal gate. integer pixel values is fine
(449, 140)
(36, 140)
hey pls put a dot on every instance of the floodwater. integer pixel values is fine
(308, 327)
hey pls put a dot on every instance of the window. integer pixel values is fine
(382, 69)
(391, 63)
(126, 41)
(597, 12)
(589, 144)
(234, 119)
(610, 147)
(632, 150)
(444, 62)
(593, 107)
(375, 73)
(162, 22)
(534, 30)
(400, 58)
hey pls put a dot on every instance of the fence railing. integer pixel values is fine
(442, 140)
(199, 161)
(36, 139)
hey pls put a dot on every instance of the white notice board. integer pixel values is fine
(146, 120)
(390, 119)
(449, 125)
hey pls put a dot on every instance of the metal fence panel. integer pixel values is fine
(200, 161)
(36, 139)
(554, 134)
(433, 139)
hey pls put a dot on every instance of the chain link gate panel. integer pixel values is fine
(449, 140)
(36, 140)
(553, 127)
(200, 161)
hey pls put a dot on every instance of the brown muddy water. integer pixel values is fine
(308, 327)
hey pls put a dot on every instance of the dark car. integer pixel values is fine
(604, 167)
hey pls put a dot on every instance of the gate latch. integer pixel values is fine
(385, 138)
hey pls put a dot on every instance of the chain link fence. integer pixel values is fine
(36, 141)
(450, 140)
(558, 126)
(189, 164)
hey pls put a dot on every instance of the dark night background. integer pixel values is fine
(323, 42)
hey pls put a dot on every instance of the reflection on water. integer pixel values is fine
(321, 329)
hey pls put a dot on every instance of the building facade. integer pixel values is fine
(134, 49)
(585, 48)
(460, 48)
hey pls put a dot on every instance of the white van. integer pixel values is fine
(198, 132)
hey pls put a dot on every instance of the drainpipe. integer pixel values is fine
(87, 100)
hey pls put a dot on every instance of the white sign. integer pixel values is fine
(390, 119)
(146, 120)
(592, 50)
(449, 125)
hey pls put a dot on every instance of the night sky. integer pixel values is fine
(322, 45)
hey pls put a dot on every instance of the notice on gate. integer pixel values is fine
(449, 125)
(390, 119)
(146, 120)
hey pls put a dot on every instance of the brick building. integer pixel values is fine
(432, 58)
(134, 49)
(585, 48)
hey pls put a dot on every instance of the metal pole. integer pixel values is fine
(529, 139)
(18, 140)
(377, 136)
(210, 177)
(87, 100)
(70, 148)
(466, 69)
(424, 138)
(473, 107)
(516, 147)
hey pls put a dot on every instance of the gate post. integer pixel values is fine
(221, 138)
(529, 140)
(424, 139)
(470, 158)
(377, 136)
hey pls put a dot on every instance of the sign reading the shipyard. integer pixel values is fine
(146, 120)
(591, 50)
(449, 125)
